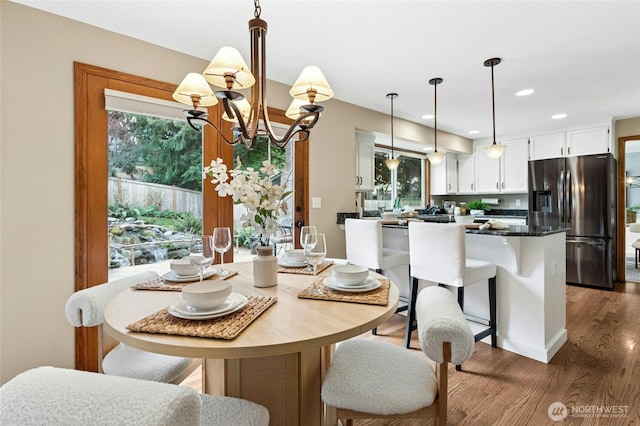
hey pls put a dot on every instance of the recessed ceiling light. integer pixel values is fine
(558, 116)
(474, 132)
(525, 92)
(428, 116)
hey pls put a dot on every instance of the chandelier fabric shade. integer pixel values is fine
(229, 71)
(228, 66)
(311, 80)
(435, 157)
(195, 90)
(494, 150)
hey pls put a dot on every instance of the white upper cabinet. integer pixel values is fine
(547, 146)
(487, 172)
(466, 174)
(365, 144)
(595, 140)
(588, 141)
(507, 174)
(515, 166)
(444, 177)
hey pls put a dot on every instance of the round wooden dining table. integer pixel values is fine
(278, 360)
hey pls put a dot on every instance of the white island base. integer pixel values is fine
(531, 291)
(531, 287)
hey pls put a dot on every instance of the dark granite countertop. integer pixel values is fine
(512, 231)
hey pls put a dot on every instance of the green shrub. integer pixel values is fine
(477, 205)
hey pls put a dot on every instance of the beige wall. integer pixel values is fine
(37, 168)
(627, 127)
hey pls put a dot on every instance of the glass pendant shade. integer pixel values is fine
(245, 109)
(194, 84)
(392, 163)
(228, 61)
(311, 78)
(436, 158)
(494, 150)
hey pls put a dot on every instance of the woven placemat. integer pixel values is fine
(161, 284)
(226, 327)
(303, 271)
(379, 296)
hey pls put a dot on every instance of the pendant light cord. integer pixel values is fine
(493, 105)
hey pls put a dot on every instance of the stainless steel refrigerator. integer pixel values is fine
(579, 193)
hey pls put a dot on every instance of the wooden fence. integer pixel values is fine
(144, 194)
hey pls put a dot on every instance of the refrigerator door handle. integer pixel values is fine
(561, 198)
(568, 193)
(599, 242)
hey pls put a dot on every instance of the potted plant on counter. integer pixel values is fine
(477, 207)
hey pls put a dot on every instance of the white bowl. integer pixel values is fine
(183, 267)
(206, 294)
(464, 219)
(349, 274)
(389, 216)
(294, 256)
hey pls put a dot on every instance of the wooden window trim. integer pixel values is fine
(91, 171)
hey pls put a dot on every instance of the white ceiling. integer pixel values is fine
(581, 57)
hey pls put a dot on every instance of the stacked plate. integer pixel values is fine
(233, 303)
(173, 277)
(351, 278)
(367, 285)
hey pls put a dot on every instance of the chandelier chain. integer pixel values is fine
(258, 9)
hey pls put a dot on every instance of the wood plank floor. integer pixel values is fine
(598, 368)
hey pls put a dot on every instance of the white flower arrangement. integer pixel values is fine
(264, 201)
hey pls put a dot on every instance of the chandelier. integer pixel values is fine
(494, 150)
(229, 71)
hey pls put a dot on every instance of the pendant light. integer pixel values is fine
(435, 157)
(392, 163)
(494, 150)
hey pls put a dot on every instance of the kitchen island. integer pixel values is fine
(531, 279)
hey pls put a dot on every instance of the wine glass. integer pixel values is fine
(381, 207)
(201, 253)
(221, 244)
(306, 230)
(315, 250)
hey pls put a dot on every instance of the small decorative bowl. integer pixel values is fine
(206, 294)
(182, 267)
(465, 220)
(349, 274)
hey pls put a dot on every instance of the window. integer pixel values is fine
(406, 182)
(154, 188)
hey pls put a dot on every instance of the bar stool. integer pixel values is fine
(364, 247)
(438, 254)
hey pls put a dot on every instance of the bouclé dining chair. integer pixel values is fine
(365, 248)
(377, 380)
(58, 396)
(438, 254)
(85, 308)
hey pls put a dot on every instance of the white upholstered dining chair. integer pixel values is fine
(635, 228)
(365, 248)
(85, 308)
(377, 380)
(438, 254)
(58, 396)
